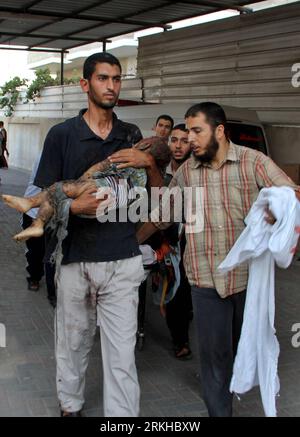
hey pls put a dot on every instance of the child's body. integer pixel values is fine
(46, 199)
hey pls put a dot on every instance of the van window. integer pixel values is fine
(247, 135)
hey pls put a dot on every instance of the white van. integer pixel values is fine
(244, 125)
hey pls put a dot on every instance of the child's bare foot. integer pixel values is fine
(34, 231)
(21, 204)
(31, 232)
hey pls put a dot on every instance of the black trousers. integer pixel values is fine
(142, 306)
(35, 255)
(178, 312)
(218, 323)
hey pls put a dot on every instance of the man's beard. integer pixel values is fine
(103, 105)
(210, 152)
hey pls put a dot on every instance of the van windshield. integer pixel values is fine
(247, 135)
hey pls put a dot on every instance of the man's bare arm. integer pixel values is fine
(86, 203)
(145, 232)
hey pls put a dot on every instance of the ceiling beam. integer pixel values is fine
(78, 15)
(27, 13)
(219, 5)
(51, 19)
(34, 50)
(40, 36)
(31, 4)
(121, 19)
(27, 33)
(57, 17)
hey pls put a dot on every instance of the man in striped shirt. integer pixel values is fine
(230, 177)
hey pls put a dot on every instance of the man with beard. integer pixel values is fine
(102, 266)
(230, 177)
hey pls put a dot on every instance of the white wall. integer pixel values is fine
(25, 139)
(244, 61)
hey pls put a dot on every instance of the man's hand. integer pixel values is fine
(139, 159)
(269, 217)
(132, 158)
(87, 203)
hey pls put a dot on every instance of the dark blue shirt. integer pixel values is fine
(70, 149)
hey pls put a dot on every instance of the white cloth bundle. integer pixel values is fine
(262, 244)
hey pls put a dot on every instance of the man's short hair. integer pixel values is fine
(165, 117)
(180, 126)
(214, 113)
(1, 123)
(98, 58)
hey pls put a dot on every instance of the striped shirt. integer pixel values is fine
(228, 193)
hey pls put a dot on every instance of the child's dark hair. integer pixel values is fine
(158, 148)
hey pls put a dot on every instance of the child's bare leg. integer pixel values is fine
(72, 189)
(37, 227)
(24, 204)
(75, 188)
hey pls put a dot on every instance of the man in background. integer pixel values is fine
(179, 309)
(3, 147)
(163, 126)
(36, 247)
